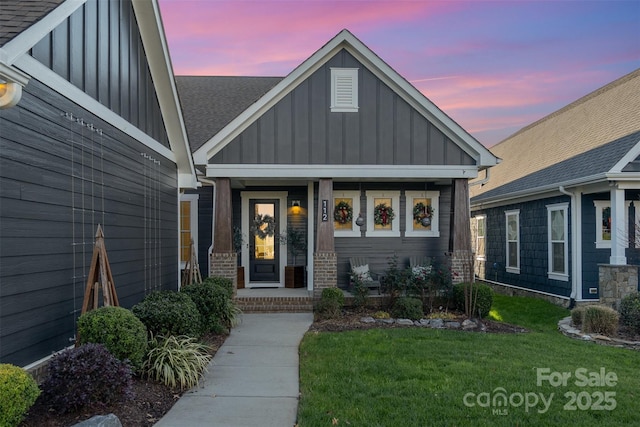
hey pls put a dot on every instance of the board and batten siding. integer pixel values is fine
(58, 181)
(99, 50)
(301, 129)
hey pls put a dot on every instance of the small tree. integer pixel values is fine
(295, 241)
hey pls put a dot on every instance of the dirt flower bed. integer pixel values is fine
(152, 400)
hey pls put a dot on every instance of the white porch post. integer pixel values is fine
(618, 228)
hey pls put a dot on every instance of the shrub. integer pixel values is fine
(360, 292)
(18, 391)
(327, 309)
(577, 314)
(176, 361)
(86, 375)
(407, 308)
(630, 312)
(124, 335)
(334, 294)
(217, 309)
(169, 313)
(482, 294)
(223, 282)
(600, 320)
(381, 315)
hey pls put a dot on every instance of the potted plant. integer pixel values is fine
(296, 244)
(238, 241)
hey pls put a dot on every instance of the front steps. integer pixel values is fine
(275, 304)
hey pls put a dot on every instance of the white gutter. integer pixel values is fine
(576, 242)
(482, 181)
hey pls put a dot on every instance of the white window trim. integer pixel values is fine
(355, 196)
(602, 204)
(553, 275)
(435, 203)
(507, 214)
(346, 75)
(193, 200)
(481, 257)
(395, 223)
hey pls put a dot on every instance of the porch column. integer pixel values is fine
(325, 260)
(460, 233)
(224, 260)
(618, 230)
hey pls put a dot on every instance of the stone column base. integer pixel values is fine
(325, 272)
(616, 282)
(225, 264)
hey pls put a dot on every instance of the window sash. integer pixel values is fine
(512, 219)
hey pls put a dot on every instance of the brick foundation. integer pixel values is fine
(325, 272)
(461, 266)
(225, 264)
(616, 282)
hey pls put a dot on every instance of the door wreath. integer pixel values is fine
(264, 226)
(343, 213)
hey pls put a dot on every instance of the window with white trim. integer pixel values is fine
(512, 219)
(558, 247)
(346, 208)
(481, 234)
(188, 226)
(421, 217)
(383, 214)
(344, 90)
(603, 222)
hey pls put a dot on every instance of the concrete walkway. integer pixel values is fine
(252, 380)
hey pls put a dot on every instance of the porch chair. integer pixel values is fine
(360, 267)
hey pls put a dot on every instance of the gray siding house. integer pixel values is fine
(90, 133)
(342, 137)
(559, 216)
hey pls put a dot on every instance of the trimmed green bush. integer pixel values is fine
(333, 294)
(121, 332)
(630, 312)
(600, 320)
(407, 308)
(482, 294)
(169, 313)
(86, 376)
(176, 361)
(217, 310)
(18, 392)
(223, 282)
(327, 308)
(577, 314)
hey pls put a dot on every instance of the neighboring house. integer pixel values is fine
(559, 215)
(340, 136)
(90, 133)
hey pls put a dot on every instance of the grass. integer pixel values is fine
(420, 377)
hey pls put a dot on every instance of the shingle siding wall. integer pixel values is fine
(58, 180)
(533, 247)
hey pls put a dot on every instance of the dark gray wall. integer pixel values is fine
(301, 129)
(58, 180)
(98, 49)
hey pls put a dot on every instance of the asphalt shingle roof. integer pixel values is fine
(18, 15)
(599, 119)
(209, 103)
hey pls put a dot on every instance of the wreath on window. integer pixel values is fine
(383, 214)
(264, 226)
(343, 213)
(421, 211)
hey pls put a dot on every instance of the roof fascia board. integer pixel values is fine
(24, 41)
(338, 171)
(71, 92)
(626, 159)
(383, 71)
(155, 46)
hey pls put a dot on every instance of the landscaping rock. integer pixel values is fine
(436, 323)
(386, 321)
(101, 421)
(424, 322)
(452, 325)
(367, 319)
(469, 324)
(404, 322)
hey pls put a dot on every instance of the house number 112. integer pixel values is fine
(325, 210)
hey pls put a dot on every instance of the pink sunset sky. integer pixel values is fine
(493, 66)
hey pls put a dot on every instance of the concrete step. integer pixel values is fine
(275, 304)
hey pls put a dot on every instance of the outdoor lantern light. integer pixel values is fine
(295, 207)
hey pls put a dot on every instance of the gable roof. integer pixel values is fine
(585, 138)
(346, 40)
(211, 102)
(18, 15)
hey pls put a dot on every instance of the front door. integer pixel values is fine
(264, 246)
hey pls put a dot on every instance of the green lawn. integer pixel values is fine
(424, 377)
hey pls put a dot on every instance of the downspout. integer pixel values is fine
(213, 220)
(482, 181)
(576, 243)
